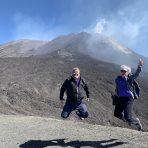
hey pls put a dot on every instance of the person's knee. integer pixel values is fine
(64, 115)
(131, 120)
(128, 117)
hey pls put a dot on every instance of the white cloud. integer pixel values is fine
(128, 25)
(122, 29)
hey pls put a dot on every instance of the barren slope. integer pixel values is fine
(30, 86)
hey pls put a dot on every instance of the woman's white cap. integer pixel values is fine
(125, 68)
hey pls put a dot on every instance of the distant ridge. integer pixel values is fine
(95, 45)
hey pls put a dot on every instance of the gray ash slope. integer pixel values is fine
(30, 86)
(31, 73)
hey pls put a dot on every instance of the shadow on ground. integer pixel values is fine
(74, 144)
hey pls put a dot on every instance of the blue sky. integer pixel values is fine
(126, 21)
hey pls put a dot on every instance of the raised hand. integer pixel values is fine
(140, 62)
(87, 99)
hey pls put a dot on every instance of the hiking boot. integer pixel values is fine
(139, 125)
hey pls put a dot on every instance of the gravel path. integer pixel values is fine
(37, 132)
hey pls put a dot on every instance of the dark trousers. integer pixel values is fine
(70, 106)
(124, 108)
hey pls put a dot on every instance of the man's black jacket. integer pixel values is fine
(74, 93)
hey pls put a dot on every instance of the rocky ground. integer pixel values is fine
(30, 82)
(38, 132)
(31, 86)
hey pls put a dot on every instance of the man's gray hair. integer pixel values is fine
(76, 68)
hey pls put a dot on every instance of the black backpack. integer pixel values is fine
(135, 88)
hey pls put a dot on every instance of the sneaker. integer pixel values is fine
(139, 125)
(77, 112)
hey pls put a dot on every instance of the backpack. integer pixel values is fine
(115, 98)
(135, 88)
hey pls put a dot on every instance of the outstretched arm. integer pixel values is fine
(87, 91)
(62, 90)
(136, 74)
